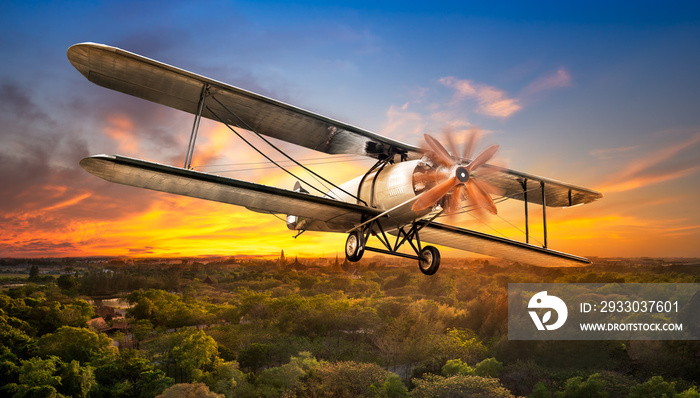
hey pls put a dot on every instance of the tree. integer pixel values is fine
(393, 387)
(166, 309)
(576, 387)
(255, 356)
(692, 392)
(76, 380)
(224, 377)
(71, 343)
(456, 366)
(274, 381)
(33, 273)
(198, 390)
(540, 391)
(352, 379)
(127, 374)
(67, 282)
(37, 378)
(13, 335)
(77, 313)
(655, 387)
(432, 386)
(281, 378)
(489, 367)
(195, 351)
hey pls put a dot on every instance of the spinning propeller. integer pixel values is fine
(454, 178)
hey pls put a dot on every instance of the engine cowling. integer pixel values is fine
(389, 187)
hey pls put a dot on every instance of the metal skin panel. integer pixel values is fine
(331, 214)
(475, 242)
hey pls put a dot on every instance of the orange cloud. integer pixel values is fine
(121, 129)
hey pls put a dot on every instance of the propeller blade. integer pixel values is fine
(470, 143)
(447, 131)
(454, 203)
(487, 171)
(483, 157)
(441, 155)
(481, 198)
(488, 187)
(455, 199)
(428, 198)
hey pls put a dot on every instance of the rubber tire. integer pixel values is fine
(354, 246)
(430, 260)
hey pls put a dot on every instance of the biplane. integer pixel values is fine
(395, 202)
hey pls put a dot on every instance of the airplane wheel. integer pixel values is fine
(429, 260)
(354, 246)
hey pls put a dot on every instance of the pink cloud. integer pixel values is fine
(492, 101)
(638, 173)
(561, 78)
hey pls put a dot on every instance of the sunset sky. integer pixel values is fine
(604, 95)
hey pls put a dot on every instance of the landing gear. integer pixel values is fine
(429, 260)
(354, 246)
(428, 257)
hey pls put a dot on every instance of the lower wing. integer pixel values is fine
(476, 242)
(256, 197)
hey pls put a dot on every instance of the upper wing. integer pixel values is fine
(159, 177)
(476, 242)
(556, 193)
(145, 78)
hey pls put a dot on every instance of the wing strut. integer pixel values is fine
(527, 221)
(544, 214)
(195, 126)
(543, 198)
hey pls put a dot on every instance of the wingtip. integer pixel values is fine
(79, 55)
(90, 162)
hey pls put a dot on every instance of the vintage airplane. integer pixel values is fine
(401, 195)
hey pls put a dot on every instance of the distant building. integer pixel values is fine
(99, 324)
(105, 312)
(296, 265)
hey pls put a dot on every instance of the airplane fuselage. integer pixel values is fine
(390, 187)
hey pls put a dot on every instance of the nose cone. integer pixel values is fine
(462, 174)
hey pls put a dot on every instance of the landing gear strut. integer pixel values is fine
(428, 257)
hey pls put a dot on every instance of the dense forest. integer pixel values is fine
(254, 328)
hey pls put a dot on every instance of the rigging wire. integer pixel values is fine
(468, 209)
(313, 174)
(262, 165)
(336, 159)
(260, 152)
